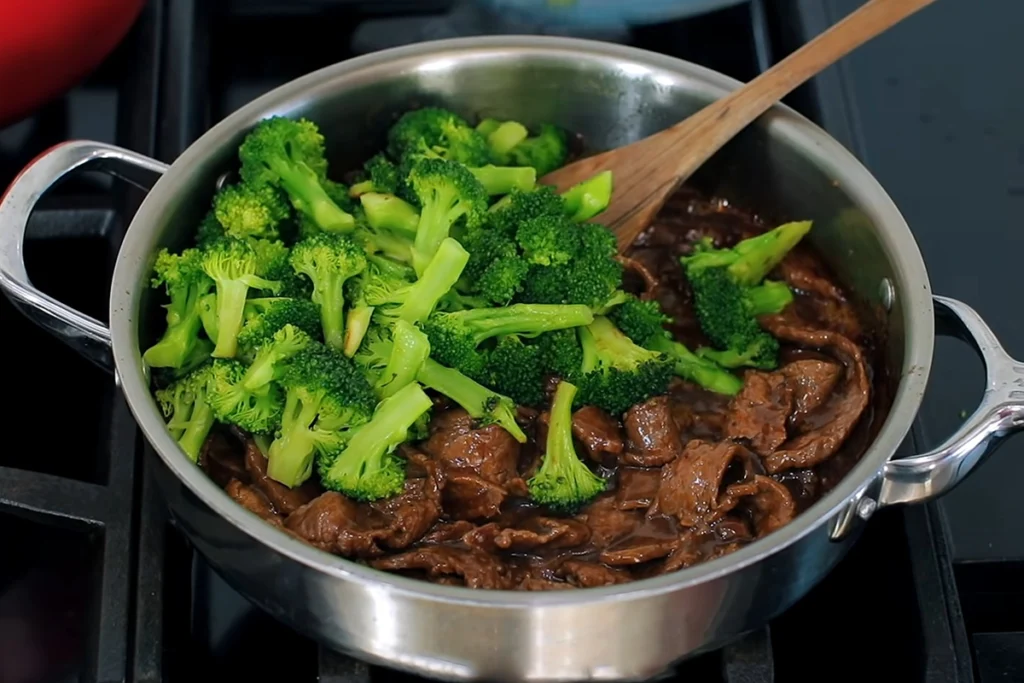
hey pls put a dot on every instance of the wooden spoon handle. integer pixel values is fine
(708, 130)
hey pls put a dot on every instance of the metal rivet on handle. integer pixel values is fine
(866, 507)
(886, 293)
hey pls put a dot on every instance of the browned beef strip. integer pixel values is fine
(253, 501)
(284, 499)
(223, 459)
(692, 486)
(758, 414)
(607, 522)
(591, 574)
(336, 524)
(637, 487)
(653, 539)
(489, 451)
(598, 432)
(447, 532)
(469, 496)
(812, 382)
(654, 437)
(475, 568)
(529, 534)
(816, 445)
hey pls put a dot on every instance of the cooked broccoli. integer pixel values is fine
(189, 416)
(325, 395)
(549, 240)
(388, 212)
(245, 210)
(257, 411)
(727, 299)
(381, 176)
(447, 192)
(518, 206)
(273, 262)
(289, 154)
(616, 373)
(504, 179)
(233, 265)
(515, 368)
(265, 316)
(454, 337)
(480, 402)
(590, 278)
(641, 321)
(545, 151)
(185, 282)
(367, 469)
(415, 302)
(329, 261)
(502, 136)
(392, 356)
(561, 354)
(585, 200)
(432, 131)
(563, 482)
(373, 287)
(495, 269)
(696, 369)
(209, 230)
(768, 297)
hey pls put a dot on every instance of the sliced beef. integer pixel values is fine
(285, 500)
(253, 501)
(223, 459)
(654, 539)
(447, 532)
(824, 302)
(530, 534)
(489, 451)
(771, 504)
(537, 580)
(607, 522)
(812, 382)
(469, 496)
(654, 437)
(411, 514)
(598, 432)
(591, 574)
(846, 406)
(475, 569)
(692, 486)
(758, 414)
(637, 487)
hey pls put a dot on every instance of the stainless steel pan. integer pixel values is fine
(611, 95)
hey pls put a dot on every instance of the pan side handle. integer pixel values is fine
(85, 334)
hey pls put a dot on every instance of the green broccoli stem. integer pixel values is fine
(388, 212)
(504, 179)
(438, 278)
(409, 350)
(361, 188)
(230, 311)
(435, 222)
(524, 319)
(476, 399)
(563, 481)
(692, 367)
(309, 196)
(177, 342)
(290, 458)
(331, 298)
(361, 470)
(199, 425)
(208, 315)
(603, 338)
(502, 137)
(757, 256)
(357, 323)
(769, 298)
(586, 199)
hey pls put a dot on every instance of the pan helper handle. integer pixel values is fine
(85, 334)
(1001, 413)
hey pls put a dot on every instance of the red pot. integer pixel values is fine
(47, 46)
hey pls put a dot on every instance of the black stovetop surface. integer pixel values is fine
(95, 585)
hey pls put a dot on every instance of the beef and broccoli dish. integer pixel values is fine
(442, 367)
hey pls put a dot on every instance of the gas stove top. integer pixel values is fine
(96, 585)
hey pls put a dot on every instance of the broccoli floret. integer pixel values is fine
(256, 411)
(561, 354)
(273, 262)
(447, 192)
(233, 266)
(183, 278)
(415, 302)
(381, 176)
(696, 369)
(516, 369)
(518, 207)
(265, 316)
(289, 154)
(590, 278)
(374, 287)
(325, 395)
(392, 356)
(545, 151)
(502, 136)
(495, 269)
(437, 132)
(189, 415)
(563, 482)
(768, 298)
(480, 402)
(454, 337)
(250, 211)
(388, 212)
(367, 468)
(585, 200)
(329, 261)
(616, 373)
(750, 261)
(503, 179)
(641, 321)
(549, 240)
(210, 230)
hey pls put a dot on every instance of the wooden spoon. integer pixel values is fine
(646, 172)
